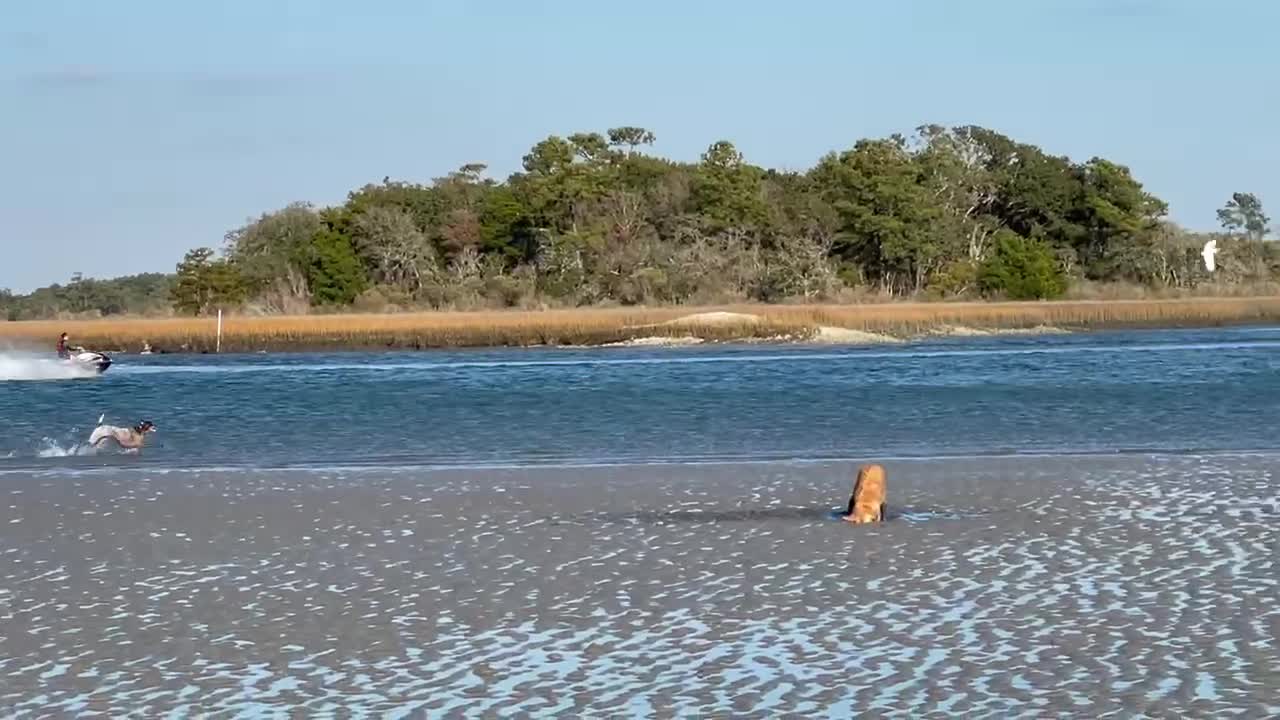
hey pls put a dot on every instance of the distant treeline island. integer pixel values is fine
(612, 238)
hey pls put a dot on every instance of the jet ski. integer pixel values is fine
(96, 361)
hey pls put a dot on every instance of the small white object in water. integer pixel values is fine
(1208, 253)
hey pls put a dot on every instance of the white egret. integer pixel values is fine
(1210, 249)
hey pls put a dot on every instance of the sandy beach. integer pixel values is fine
(1028, 587)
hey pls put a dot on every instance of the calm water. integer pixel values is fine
(1201, 390)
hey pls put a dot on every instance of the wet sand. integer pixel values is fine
(1030, 587)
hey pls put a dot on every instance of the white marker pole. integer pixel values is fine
(218, 349)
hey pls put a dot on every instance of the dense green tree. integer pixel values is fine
(1021, 268)
(727, 191)
(1115, 211)
(505, 228)
(204, 284)
(334, 274)
(889, 216)
(1033, 192)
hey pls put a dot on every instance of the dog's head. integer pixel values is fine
(144, 427)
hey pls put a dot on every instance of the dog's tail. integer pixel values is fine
(101, 417)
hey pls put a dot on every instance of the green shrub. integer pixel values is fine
(1021, 269)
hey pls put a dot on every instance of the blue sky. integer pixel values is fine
(135, 130)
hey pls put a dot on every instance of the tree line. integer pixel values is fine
(144, 294)
(592, 218)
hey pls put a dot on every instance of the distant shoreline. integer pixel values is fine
(863, 324)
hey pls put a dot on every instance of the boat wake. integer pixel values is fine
(29, 366)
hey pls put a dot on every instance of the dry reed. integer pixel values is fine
(613, 325)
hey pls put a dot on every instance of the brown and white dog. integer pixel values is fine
(129, 438)
(867, 502)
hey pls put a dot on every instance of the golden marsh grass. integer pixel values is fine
(597, 326)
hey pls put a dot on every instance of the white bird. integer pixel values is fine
(1210, 249)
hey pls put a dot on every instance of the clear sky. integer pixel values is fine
(131, 131)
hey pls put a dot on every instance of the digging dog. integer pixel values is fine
(867, 502)
(129, 438)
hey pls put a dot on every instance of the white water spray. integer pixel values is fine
(50, 448)
(29, 366)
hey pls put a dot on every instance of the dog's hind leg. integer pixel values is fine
(100, 435)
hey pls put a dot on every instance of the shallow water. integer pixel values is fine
(1106, 392)
(550, 533)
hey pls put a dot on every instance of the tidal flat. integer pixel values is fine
(1004, 586)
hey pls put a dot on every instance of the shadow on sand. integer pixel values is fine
(796, 514)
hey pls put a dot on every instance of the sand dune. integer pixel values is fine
(966, 331)
(825, 334)
(717, 318)
(657, 341)
(845, 336)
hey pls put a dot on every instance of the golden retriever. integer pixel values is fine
(867, 502)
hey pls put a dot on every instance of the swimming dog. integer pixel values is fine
(129, 438)
(867, 502)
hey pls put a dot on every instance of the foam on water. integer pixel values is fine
(65, 447)
(51, 448)
(16, 366)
